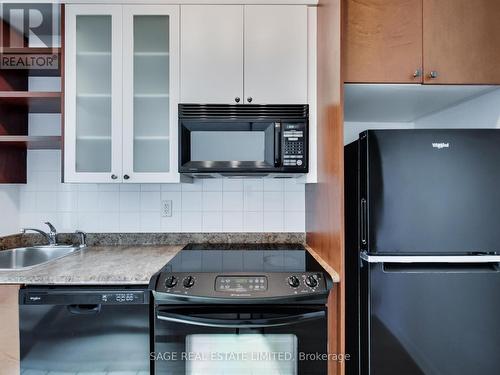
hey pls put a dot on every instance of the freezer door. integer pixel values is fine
(430, 191)
(435, 318)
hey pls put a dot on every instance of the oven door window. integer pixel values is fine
(239, 340)
(228, 145)
(238, 353)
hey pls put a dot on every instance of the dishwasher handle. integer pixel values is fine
(84, 309)
(243, 323)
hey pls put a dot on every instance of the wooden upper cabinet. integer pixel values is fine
(462, 41)
(383, 41)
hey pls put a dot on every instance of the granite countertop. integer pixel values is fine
(127, 258)
(98, 265)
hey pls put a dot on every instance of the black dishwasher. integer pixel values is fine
(84, 330)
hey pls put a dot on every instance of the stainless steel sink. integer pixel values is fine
(28, 257)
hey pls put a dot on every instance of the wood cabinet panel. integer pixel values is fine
(9, 330)
(382, 41)
(461, 41)
(325, 199)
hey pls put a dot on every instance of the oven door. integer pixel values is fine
(237, 146)
(240, 340)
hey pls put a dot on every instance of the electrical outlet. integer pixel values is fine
(166, 208)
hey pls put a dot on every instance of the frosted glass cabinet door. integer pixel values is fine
(93, 94)
(150, 93)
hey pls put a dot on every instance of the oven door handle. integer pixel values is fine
(244, 323)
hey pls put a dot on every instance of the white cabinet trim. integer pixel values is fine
(312, 87)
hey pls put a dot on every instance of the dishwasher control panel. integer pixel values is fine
(81, 297)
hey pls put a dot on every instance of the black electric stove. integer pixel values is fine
(255, 300)
(246, 273)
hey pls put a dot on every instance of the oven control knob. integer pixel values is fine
(293, 281)
(171, 281)
(188, 281)
(311, 281)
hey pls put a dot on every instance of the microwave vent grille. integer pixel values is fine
(242, 111)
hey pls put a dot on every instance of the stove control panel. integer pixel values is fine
(241, 285)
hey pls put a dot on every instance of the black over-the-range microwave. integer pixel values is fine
(243, 140)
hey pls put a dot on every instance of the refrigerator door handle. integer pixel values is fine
(471, 259)
(364, 222)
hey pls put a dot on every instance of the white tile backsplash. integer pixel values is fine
(191, 221)
(212, 184)
(232, 201)
(10, 205)
(253, 200)
(232, 221)
(253, 221)
(273, 221)
(150, 200)
(211, 205)
(212, 221)
(191, 200)
(212, 201)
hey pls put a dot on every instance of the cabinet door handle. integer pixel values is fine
(114, 176)
(249, 99)
(237, 99)
(126, 177)
(433, 74)
(417, 73)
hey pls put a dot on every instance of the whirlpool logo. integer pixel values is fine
(440, 145)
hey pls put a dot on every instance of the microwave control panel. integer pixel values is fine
(294, 145)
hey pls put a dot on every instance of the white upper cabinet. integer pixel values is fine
(122, 89)
(276, 54)
(150, 92)
(244, 53)
(212, 53)
(93, 76)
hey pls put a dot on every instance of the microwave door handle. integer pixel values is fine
(252, 323)
(277, 144)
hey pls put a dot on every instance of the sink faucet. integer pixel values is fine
(83, 238)
(51, 236)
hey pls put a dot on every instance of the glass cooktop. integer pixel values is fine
(243, 258)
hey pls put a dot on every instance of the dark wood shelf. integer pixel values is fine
(35, 102)
(17, 102)
(31, 142)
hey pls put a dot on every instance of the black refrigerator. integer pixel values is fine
(422, 215)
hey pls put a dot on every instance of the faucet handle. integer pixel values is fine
(51, 227)
(83, 238)
(52, 234)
